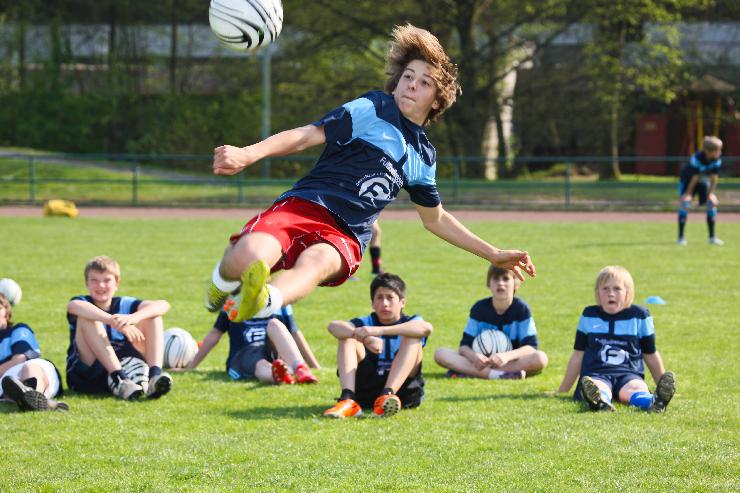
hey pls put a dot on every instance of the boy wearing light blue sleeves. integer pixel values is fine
(612, 340)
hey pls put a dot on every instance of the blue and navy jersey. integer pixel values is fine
(390, 343)
(18, 339)
(700, 165)
(372, 151)
(614, 344)
(252, 332)
(516, 322)
(119, 304)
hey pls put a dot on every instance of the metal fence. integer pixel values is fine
(562, 182)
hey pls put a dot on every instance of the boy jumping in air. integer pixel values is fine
(375, 145)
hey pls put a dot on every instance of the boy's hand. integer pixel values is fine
(120, 320)
(498, 360)
(712, 199)
(365, 331)
(373, 344)
(686, 198)
(229, 160)
(514, 260)
(132, 333)
(480, 362)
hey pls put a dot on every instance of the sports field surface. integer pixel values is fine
(212, 434)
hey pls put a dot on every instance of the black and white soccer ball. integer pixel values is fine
(179, 348)
(490, 342)
(246, 24)
(136, 370)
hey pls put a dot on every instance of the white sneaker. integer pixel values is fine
(713, 240)
(126, 389)
(682, 241)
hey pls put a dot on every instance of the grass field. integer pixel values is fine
(211, 434)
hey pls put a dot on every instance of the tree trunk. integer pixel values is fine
(173, 48)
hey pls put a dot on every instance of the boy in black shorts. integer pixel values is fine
(379, 356)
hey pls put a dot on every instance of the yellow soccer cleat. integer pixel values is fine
(254, 294)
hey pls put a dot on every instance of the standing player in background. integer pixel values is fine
(375, 145)
(700, 177)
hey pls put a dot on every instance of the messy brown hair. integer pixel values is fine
(103, 264)
(412, 43)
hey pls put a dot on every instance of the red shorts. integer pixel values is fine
(297, 224)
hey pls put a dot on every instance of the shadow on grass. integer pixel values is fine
(278, 412)
(496, 396)
(623, 244)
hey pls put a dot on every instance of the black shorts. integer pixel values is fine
(92, 379)
(701, 190)
(369, 383)
(244, 363)
(614, 381)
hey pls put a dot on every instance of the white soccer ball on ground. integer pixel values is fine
(11, 290)
(490, 342)
(179, 348)
(246, 24)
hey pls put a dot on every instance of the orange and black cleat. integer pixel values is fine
(345, 408)
(386, 405)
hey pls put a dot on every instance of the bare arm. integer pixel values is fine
(229, 160)
(341, 329)
(500, 359)
(305, 349)
(89, 311)
(413, 328)
(16, 359)
(147, 309)
(443, 224)
(655, 364)
(478, 360)
(572, 371)
(209, 342)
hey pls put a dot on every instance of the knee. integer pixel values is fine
(274, 327)
(542, 359)
(441, 356)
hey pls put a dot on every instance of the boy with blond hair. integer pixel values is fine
(504, 312)
(700, 177)
(613, 338)
(105, 328)
(375, 145)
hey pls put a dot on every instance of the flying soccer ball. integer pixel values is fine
(246, 24)
(11, 290)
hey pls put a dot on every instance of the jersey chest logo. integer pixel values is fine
(613, 356)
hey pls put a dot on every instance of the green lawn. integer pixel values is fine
(211, 434)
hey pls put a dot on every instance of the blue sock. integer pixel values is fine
(641, 400)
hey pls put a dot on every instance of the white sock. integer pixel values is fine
(274, 302)
(495, 374)
(221, 283)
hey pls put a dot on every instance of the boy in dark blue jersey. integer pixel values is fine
(260, 348)
(105, 328)
(375, 145)
(612, 340)
(700, 177)
(379, 356)
(27, 379)
(508, 314)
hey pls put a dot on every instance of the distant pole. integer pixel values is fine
(266, 103)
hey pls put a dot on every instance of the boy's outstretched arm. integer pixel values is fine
(209, 342)
(572, 371)
(443, 224)
(655, 364)
(229, 160)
